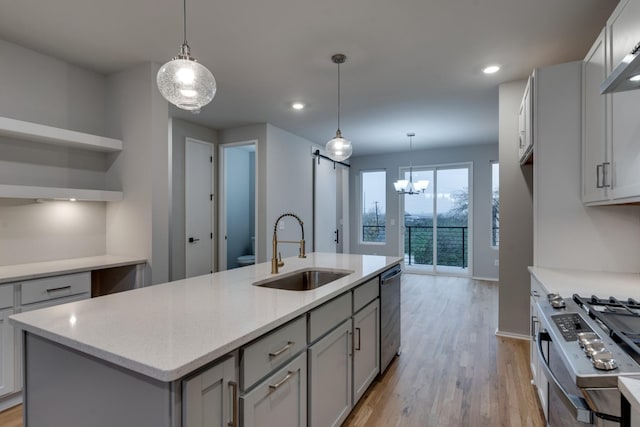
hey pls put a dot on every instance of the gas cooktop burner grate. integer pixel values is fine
(621, 319)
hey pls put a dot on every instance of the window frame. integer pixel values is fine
(361, 240)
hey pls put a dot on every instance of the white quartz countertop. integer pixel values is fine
(630, 388)
(586, 283)
(167, 331)
(34, 270)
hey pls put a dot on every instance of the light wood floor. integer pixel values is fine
(453, 370)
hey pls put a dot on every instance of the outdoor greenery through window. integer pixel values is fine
(374, 203)
(495, 204)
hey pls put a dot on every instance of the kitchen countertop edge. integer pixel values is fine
(177, 372)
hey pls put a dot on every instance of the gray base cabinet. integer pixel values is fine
(209, 398)
(280, 400)
(6, 353)
(366, 348)
(330, 366)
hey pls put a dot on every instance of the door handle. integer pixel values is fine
(193, 239)
(337, 233)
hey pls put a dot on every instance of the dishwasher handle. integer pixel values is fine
(390, 274)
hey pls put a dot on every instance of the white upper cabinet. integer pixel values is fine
(595, 141)
(525, 122)
(610, 128)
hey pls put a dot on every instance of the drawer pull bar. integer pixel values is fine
(282, 350)
(234, 404)
(282, 381)
(61, 288)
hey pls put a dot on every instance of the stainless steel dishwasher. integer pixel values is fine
(389, 316)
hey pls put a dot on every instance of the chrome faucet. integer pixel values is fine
(276, 260)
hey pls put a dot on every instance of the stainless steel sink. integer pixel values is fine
(303, 280)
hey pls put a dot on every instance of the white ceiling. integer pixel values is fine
(413, 65)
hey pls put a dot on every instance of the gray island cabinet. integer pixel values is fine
(214, 350)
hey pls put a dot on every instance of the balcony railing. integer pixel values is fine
(452, 245)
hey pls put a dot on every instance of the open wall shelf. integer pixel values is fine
(57, 193)
(52, 135)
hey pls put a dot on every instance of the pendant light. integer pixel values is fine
(403, 186)
(339, 148)
(185, 82)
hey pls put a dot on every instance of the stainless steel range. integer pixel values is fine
(584, 345)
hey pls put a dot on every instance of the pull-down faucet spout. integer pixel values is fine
(276, 260)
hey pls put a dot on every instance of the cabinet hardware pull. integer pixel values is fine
(358, 347)
(234, 404)
(598, 185)
(605, 175)
(282, 350)
(61, 288)
(282, 381)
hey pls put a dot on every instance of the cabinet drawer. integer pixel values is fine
(280, 400)
(6, 296)
(272, 350)
(366, 293)
(55, 287)
(329, 315)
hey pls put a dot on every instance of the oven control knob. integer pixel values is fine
(586, 336)
(594, 346)
(604, 360)
(556, 301)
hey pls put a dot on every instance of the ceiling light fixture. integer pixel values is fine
(185, 82)
(491, 69)
(339, 148)
(404, 186)
(297, 105)
(635, 78)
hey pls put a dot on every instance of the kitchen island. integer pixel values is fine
(128, 358)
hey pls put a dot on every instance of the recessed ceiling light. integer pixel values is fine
(297, 105)
(491, 69)
(635, 78)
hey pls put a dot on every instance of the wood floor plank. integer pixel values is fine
(453, 371)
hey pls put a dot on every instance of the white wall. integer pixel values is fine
(139, 224)
(516, 217)
(289, 187)
(181, 129)
(284, 170)
(45, 90)
(568, 234)
(481, 157)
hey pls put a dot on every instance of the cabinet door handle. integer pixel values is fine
(234, 404)
(358, 346)
(277, 385)
(605, 175)
(535, 294)
(282, 350)
(598, 185)
(534, 320)
(61, 288)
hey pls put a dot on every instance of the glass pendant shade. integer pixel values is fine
(338, 148)
(186, 83)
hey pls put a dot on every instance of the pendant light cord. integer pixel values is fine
(338, 95)
(184, 15)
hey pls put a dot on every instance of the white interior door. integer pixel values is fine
(198, 207)
(325, 230)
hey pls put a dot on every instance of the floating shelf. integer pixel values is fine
(57, 136)
(58, 193)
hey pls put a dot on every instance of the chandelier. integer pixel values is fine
(404, 186)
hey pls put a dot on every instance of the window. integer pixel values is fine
(374, 200)
(495, 204)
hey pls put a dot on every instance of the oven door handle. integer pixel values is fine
(576, 404)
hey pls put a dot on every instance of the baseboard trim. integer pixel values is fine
(10, 401)
(503, 334)
(488, 279)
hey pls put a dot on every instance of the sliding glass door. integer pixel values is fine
(436, 222)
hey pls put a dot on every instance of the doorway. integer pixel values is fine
(436, 228)
(330, 206)
(237, 204)
(199, 213)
